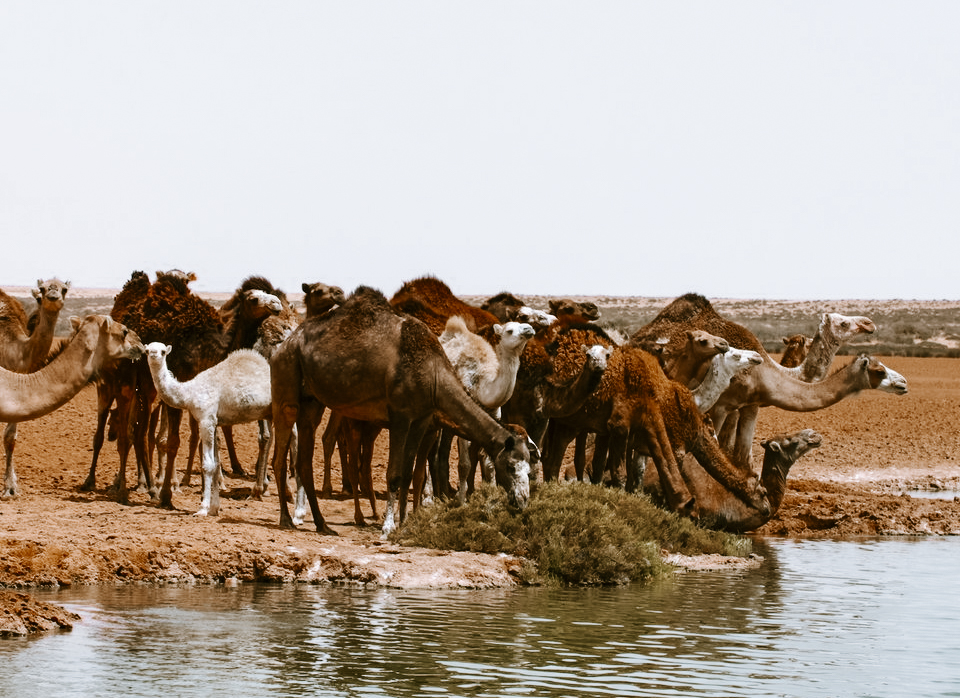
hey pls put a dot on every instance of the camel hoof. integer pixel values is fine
(326, 531)
(88, 485)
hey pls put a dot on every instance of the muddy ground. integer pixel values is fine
(876, 447)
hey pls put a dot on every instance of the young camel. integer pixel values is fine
(25, 344)
(96, 342)
(233, 391)
(489, 374)
(371, 364)
(720, 510)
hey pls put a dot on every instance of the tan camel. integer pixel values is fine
(796, 348)
(97, 341)
(720, 510)
(234, 391)
(489, 374)
(636, 402)
(25, 344)
(373, 365)
(687, 363)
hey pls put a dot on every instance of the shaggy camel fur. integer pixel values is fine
(431, 301)
(508, 308)
(796, 348)
(370, 364)
(718, 509)
(636, 402)
(97, 341)
(25, 344)
(687, 363)
(735, 413)
(234, 391)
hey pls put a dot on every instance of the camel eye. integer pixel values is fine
(845, 325)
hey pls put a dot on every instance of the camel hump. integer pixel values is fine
(455, 325)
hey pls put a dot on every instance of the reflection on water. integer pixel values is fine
(818, 618)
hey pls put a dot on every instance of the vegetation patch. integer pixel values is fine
(575, 534)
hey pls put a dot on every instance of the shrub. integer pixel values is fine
(575, 534)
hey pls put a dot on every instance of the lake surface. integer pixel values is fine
(819, 618)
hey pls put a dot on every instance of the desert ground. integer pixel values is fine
(876, 449)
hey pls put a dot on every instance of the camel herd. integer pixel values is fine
(675, 404)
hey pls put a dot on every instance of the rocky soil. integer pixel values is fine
(876, 448)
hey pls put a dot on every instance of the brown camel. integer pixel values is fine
(429, 299)
(688, 363)
(735, 413)
(720, 510)
(97, 341)
(583, 311)
(319, 298)
(370, 364)
(796, 348)
(25, 345)
(637, 403)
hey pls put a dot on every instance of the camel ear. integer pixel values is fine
(36, 294)
(498, 330)
(534, 451)
(510, 443)
(75, 322)
(772, 445)
(167, 349)
(66, 287)
(305, 287)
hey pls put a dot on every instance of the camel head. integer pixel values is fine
(157, 353)
(537, 319)
(318, 298)
(51, 293)
(513, 465)
(795, 350)
(881, 378)
(514, 335)
(842, 328)
(740, 359)
(262, 304)
(185, 276)
(585, 310)
(597, 356)
(704, 345)
(115, 340)
(790, 447)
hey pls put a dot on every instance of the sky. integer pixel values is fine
(780, 150)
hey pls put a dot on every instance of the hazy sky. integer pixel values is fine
(738, 149)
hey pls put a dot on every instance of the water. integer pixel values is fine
(819, 618)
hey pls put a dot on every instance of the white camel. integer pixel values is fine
(489, 374)
(721, 370)
(234, 391)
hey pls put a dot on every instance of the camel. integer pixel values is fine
(722, 368)
(431, 301)
(720, 510)
(506, 307)
(585, 311)
(319, 298)
(796, 348)
(735, 413)
(373, 365)
(489, 374)
(97, 340)
(637, 403)
(25, 345)
(688, 363)
(233, 391)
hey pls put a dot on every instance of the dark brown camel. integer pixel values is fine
(718, 508)
(429, 299)
(796, 348)
(370, 364)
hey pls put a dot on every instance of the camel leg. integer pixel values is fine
(235, 466)
(329, 442)
(104, 402)
(441, 467)
(308, 419)
(601, 458)
(556, 440)
(10, 477)
(125, 414)
(174, 417)
(674, 488)
(209, 463)
(156, 440)
(284, 420)
(743, 448)
(368, 437)
(422, 480)
(405, 436)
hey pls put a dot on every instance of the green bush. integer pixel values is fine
(575, 534)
